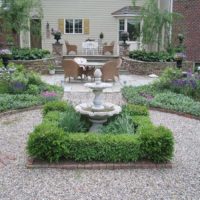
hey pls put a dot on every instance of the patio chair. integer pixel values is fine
(72, 69)
(110, 70)
(70, 48)
(108, 48)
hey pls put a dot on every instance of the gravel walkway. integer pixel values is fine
(19, 183)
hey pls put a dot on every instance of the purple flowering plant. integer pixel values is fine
(49, 96)
(189, 86)
(5, 53)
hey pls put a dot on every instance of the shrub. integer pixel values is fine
(133, 110)
(151, 56)
(122, 124)
(29, 54)
(106, 148)
(55, 106)
(47, 142)
(4, 87)
(167, 77)
(52, 117)
(33, 89)
(70, 121)
(34, 79)
(157, 144)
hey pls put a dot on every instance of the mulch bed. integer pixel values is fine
(33, 163)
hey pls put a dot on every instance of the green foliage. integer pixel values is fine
(8, 101)
(47, 142)
(50, 142)
(106, 148)
(154, 21)
(34, 79)
(55, 106)
(157, 144)
(33, 89)
(134, 110)
(122, 124)
(70, 121)
(177, 102)
(151, 56)
(15, 19)
(29, 54)
(167, 77)
(52, 117)
(4, 87)
(161, 99)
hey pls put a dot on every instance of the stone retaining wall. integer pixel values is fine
(146, 68)
(40, 65)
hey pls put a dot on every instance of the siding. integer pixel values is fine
(97, 11)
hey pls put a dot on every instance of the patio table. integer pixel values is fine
(90, 47)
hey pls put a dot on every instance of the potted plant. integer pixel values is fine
(101, 36)
(57, 35)
(51, 69)
(124, 36)
(5, 55)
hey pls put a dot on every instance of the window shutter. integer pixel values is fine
(86, 26)
(61, 25)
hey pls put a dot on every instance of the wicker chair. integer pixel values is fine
(72, 69)
(110, 70)
(108, 48)
(70, 48)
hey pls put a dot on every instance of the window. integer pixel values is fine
(73, 26)
(132, 26)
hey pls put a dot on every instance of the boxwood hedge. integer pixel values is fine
(51, 143)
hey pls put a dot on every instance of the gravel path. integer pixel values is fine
(19, 183)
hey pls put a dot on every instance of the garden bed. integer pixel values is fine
(172, 92)
(127, 138)
(23, 89)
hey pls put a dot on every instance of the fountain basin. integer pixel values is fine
(100, 116)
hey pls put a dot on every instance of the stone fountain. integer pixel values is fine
(98, 111)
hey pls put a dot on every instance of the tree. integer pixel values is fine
(16, 14)
(155, 21)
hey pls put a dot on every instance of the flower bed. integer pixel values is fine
(37, 60)
(171, 91)
(63, 135)
(23, 89)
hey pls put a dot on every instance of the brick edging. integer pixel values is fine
(98, 166)
(175, 112)
(10, 112)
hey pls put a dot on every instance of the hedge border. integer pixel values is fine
(35, 164)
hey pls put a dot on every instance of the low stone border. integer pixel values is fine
(175, 112)
(10, 112)
(40, 65)
(32, 164)
(146, 68)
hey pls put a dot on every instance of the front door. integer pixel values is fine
(35, 33)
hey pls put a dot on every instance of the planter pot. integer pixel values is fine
(5, 61)
(52, 71)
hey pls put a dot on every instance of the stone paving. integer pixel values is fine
(78, 85)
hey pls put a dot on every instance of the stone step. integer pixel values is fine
(59, 70)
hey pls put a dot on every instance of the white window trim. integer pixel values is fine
(126, 27)
(73, 27)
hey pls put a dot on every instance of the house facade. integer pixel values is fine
(189, 26)
(79, 20)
